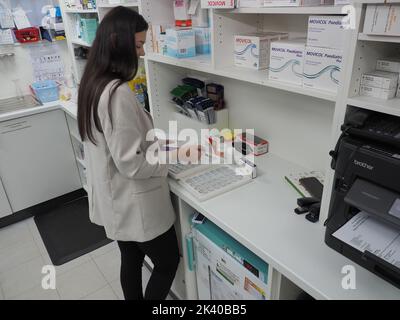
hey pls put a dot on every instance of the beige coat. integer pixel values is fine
(127, 195)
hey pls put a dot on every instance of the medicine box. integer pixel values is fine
(202, 40)
(259, 145)
(291, 3)
(180, 43)
(250, 3)
(253, 50)
(380, 79)
(377, 93)
(382, 20)
(218, 4)
(326, 31)
(286, 61)
(388, 64)
(322, 68)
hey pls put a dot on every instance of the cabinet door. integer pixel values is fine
(5, 208)
(36, 159)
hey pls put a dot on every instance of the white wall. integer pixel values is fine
(20, 67)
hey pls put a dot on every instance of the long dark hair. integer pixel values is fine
(112, 56)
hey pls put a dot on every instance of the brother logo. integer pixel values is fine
(363, 164)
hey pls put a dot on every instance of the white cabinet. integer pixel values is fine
(36, 159)
(5, 208)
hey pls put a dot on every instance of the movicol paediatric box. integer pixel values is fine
(180, 43)
(253, 50)
(218, 4)
(378, 93)
(291, 3)
(286, 61)
(202, 40)
(326, 31)
(322, 68)
(382, 19)
(388, 64)
(380, 79)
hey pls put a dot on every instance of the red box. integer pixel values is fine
(259, 145)
(27, 35)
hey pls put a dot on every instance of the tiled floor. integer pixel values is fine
(94, 276)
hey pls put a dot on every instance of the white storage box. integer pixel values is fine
(326, 32)
(202, 40)
(380, 79)
(382, 20)
(286, 61)
(388, 64)
(322, 68)
(377, 93)
(252, 51)
(218, 4)
(180, 43)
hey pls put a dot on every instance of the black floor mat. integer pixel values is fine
(68, 233)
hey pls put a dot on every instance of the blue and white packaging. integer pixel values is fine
(202, 40)
(327, 31)
(180, 43)
(322, 69)
(286, 61)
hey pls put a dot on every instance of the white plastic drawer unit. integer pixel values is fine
(36, 159)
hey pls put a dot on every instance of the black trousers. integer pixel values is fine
(163, 252)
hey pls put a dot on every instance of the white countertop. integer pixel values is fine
(260, 215)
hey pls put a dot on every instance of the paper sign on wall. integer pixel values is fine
(47, 65)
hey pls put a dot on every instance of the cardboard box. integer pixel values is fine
(218, 4)
(291, 3)
(326, 32)
(202, 40)
(380, 79)
(180, 43)
(377, 93)
(382, 20)
(322, 68)
(388, 64)
(286, 61)
(253, 50)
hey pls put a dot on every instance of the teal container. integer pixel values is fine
(88, 28)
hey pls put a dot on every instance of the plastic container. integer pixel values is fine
(46, 91)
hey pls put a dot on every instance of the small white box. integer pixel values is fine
(286, 61)
(250, 3)
(252, 51)
(322, 68)
(291, 3)
(378, 93)
(382, 20)
(180, 43)
(326, 31)
(380, 79)
(202, 40)
(181, 8)
(341, 2)
(218, 4)
(388, 64)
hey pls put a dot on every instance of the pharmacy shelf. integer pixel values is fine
(367, 37)
(202, 63)
(80, 11)
(129, 4)
(320, 10)
(391, 106)
(80, 43)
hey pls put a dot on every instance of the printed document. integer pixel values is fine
(367, 233)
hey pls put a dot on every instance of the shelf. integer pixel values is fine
(79, 42)
(319, 10)
(367, 37)
(391, 106)
(80, 11)
(130, 4)
(199, 63)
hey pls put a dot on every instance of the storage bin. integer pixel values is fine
(45, 91)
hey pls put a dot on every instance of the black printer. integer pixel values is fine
(367, 178)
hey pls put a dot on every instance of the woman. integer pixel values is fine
(128, 195)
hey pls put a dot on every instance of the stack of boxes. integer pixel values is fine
(382, 19)
(383, 83)
(190, 35)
